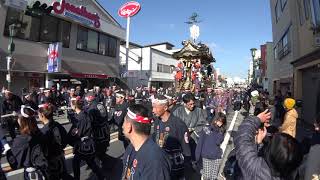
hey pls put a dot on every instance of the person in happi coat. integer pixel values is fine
(172, 135)
(81, 138)
(143, 158)
(119, 114)
(56, 140)
(100, 126)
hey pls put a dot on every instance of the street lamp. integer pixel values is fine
(11, 47)
(253, 54)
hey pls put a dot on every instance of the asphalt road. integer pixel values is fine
(113, 165)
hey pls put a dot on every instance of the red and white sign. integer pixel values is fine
(78, 13)
(94, 76)
(129, 9)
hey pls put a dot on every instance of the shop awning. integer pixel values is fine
(88, 70)
(24, 63)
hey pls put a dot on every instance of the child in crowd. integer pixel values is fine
(208, 149)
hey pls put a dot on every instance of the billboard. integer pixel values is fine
(54, 57)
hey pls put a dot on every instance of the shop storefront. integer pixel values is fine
(307, 84)
(89, 37)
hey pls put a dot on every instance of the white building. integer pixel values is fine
(150, 65)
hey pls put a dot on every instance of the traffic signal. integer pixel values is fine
(38, 9)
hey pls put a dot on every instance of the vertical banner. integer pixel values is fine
(54, 57)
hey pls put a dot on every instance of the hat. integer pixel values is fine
(289, 103)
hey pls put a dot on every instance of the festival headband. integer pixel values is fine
(22, 111)
(78, 98)
(90, 98)
(138, 118)
(160, 101)
(44, 106)
(120, 95)
(168, 97)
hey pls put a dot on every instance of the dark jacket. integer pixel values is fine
(209, 143)
(312, 167)
(252, 166)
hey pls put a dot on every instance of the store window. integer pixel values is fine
(64, 33)
(82, 39)
(112, 47)
(103, 44)
(49, 29)
(92, 41)
(46, 29)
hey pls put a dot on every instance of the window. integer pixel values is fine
(159, 67)
(82, 39)
(315, 11)
(64, 33)
(306, 5)
(277, 11)
(276, 52)
(112, 47)
(45, 29)
(283, 4)
(103, 44)
(49, 29)
(164, 68)
(284, 45)
(30, 26)
(92, 41)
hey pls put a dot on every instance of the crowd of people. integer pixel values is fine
(166, 134)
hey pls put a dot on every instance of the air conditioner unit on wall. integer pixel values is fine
(317, 41)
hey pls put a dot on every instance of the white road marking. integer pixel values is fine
(228, 134)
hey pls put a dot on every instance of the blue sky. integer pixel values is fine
(229, 27)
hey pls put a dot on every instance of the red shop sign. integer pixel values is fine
(129, 9)
(93, 76)
(76, 11)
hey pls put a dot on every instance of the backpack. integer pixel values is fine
(231, 168)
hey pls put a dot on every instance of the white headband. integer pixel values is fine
(120, 95)
(158, 101)
(138, 118)
(168, 97)
(22, 111)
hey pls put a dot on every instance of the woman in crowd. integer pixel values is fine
(279, 159)
(55, 136)
(27, 150)
(208, 147)
(290, 118)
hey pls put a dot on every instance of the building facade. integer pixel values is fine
(284, 32)
(267, 67)
(89, 35)
(299, 49)
(150, 65)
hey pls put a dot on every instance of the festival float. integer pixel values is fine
(194, 69)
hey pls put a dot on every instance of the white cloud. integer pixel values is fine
(216, 48)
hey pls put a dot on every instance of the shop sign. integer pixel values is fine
(77, 13)
(91, 76)
(129, 9)
(17, 4)
(54, 57)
